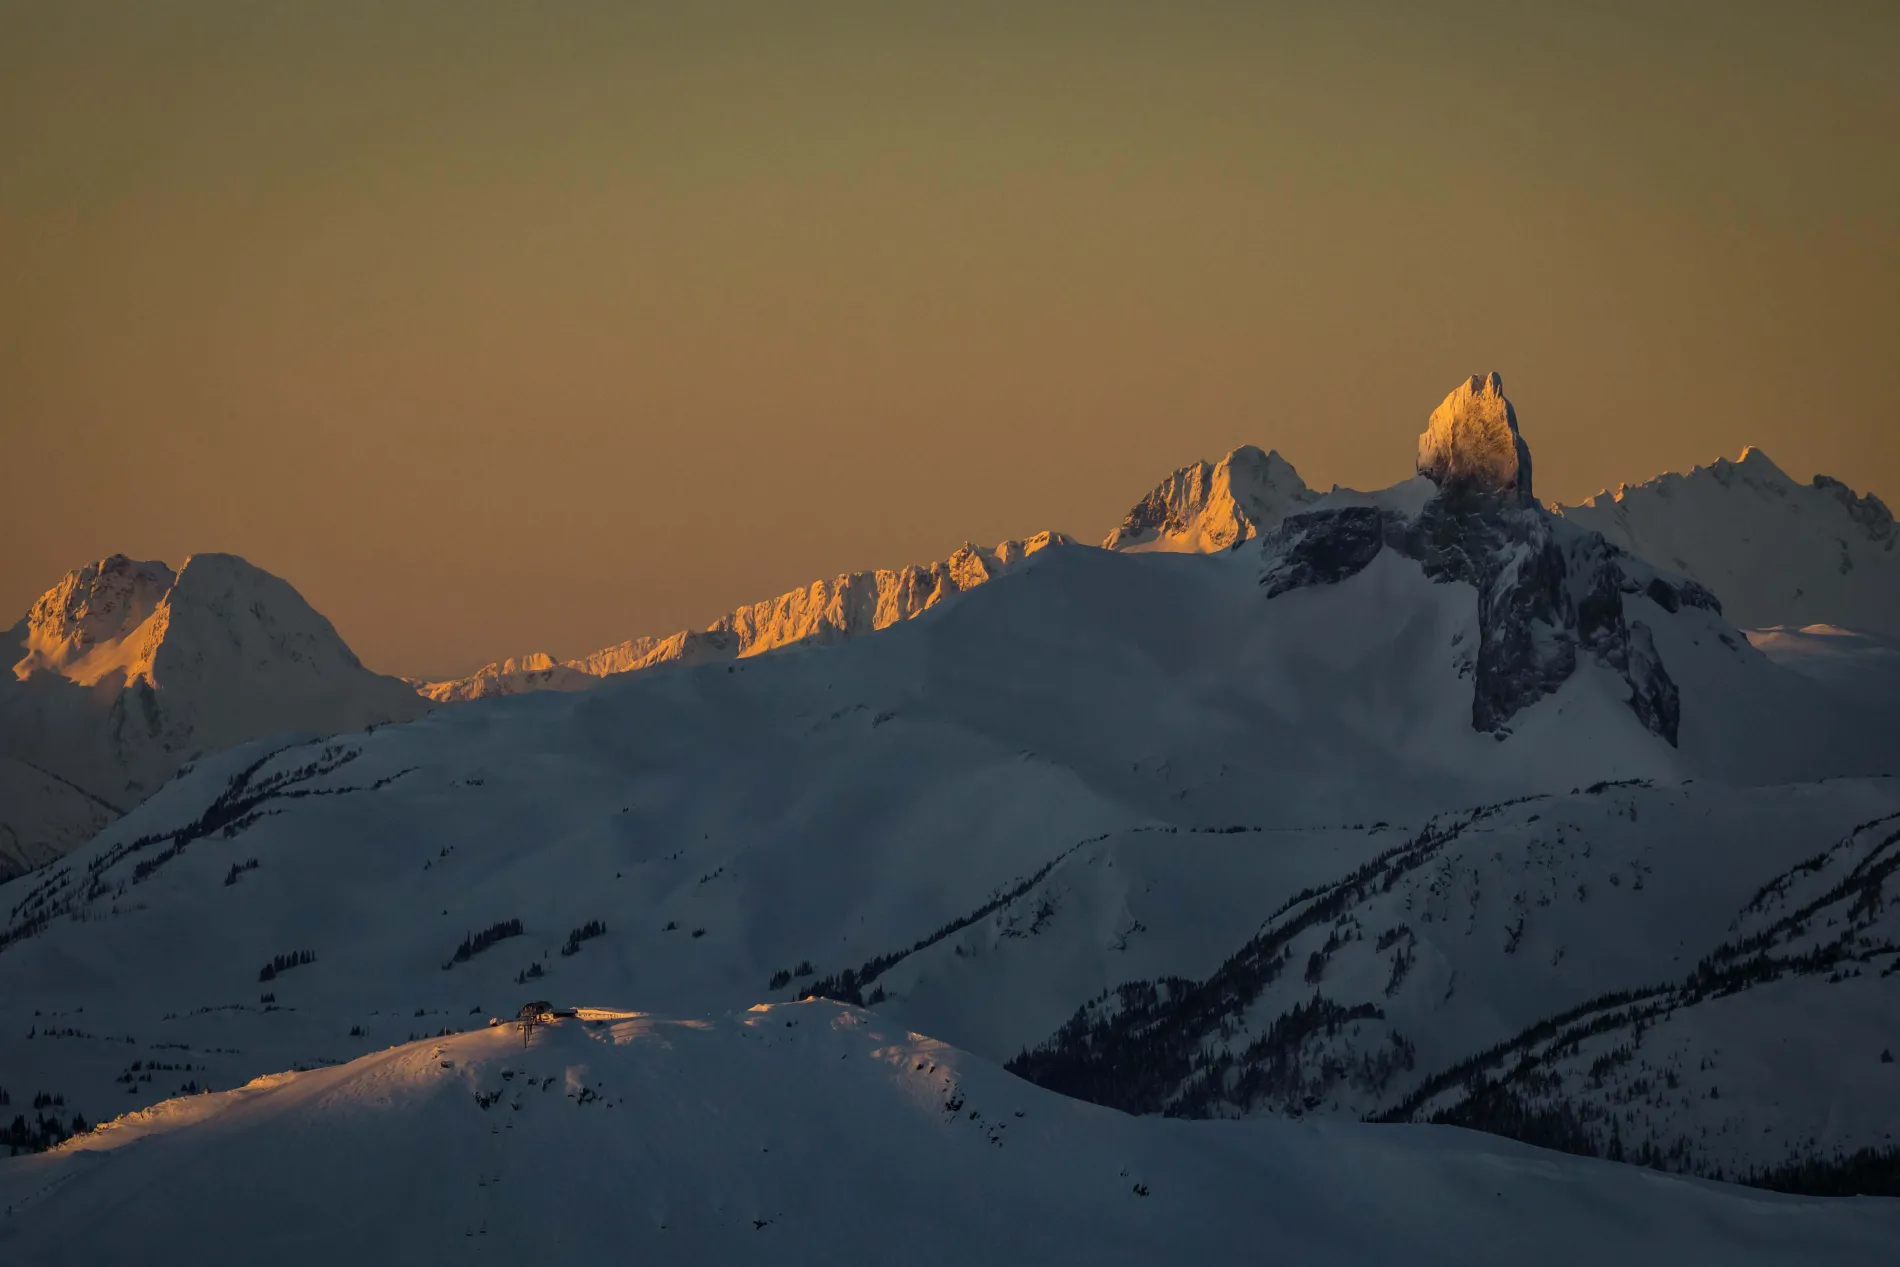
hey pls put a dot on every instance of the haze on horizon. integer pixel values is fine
(496, 328)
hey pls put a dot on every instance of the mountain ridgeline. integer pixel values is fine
(1430, 804)
(1777, 552)
(848, 606)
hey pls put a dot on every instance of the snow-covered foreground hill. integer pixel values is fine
(814, 1133)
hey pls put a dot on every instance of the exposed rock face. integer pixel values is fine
(1866, 510)
(80, 628)
(688, 646)
(859, 602)
(1472, 441)
(1548, 591)
(536, 671)
(1322, 547)
(1207, 507)
(824, 611)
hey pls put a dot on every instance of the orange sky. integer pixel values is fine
(499, 327)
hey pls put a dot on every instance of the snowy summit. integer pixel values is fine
(127, 669)
(1777, 551)
(1207, 507)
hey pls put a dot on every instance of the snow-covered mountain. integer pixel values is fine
(1775, 551)
(1154, 786)
(1197, 509)
(1202, 508)
(1426, 804)
(813, 1133)
(1703, 526)
(847, 606)
(125, 670)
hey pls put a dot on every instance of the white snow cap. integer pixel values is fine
(1472, 441)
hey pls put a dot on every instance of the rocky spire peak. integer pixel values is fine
(1472, 442)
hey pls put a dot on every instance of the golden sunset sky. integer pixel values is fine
(497, 327)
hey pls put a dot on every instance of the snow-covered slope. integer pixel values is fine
(1775, 551)
(812, 1133)
(1207, 507)
(851, 604)
(1380, 990)
(1209, 775)
(1785, 1030)
(888, 805)
(126, 669)
(42, 816)
(1862, 668)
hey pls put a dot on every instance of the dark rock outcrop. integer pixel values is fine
(1548, 591)
(1322, 547)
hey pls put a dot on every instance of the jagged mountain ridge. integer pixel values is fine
(1198, 509)
(863, 816)
(850, 605)
(1213, 506)
(901, 816)
(1775, 551)
(126, 669)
